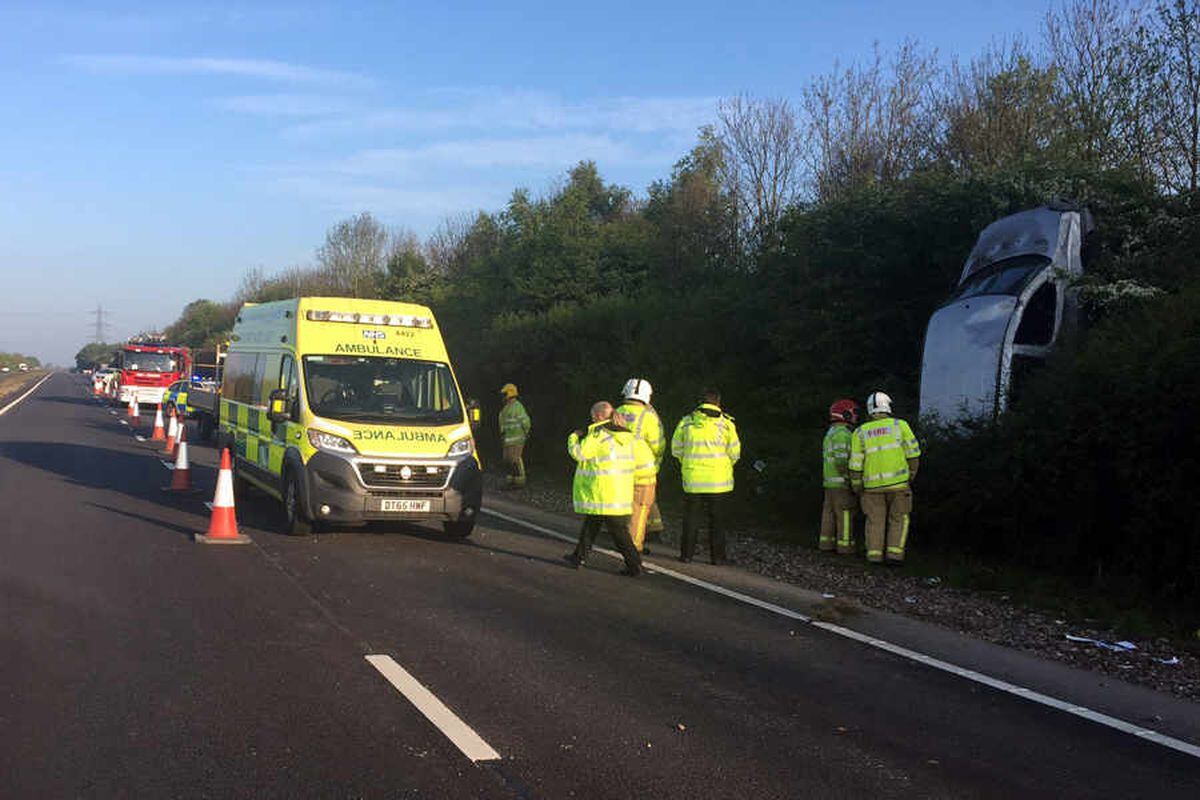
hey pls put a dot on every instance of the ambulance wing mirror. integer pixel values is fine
(277, 406)
(474, 415)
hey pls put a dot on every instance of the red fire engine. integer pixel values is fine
(148, 368)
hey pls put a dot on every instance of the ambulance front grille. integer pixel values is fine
(392, 475)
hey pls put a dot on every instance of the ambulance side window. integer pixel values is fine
(264, 378)
(289, 381)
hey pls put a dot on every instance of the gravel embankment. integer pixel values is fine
(1162, 664)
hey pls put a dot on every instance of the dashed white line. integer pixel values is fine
(462, 735)
(32, 389)
(912, 655)
(139, 437)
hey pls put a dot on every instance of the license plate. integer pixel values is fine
(403, 505)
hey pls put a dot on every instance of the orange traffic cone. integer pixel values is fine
(222, 528)
(158, 435)
(129, 407)
(181, 477)
(172, 432)
(134, 412)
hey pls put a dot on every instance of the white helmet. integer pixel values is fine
(879, 403)
(637, 389)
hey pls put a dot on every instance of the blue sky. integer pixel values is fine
(151, 153)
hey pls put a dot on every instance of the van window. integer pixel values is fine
(1009, 276)
(239, 377)
(1037, 320)
(289, 381)
(266, 375)
(396, 391)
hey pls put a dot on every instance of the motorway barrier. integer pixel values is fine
(159, 434)
(222, 528)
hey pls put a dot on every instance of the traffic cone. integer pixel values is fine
(134, 412)
(181, 477)
(222, 528)
(129, 407)
(172, 432)
(159, 435)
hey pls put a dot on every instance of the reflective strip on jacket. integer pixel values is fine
(514, 423)
(880, 450)
(707, 446)
(643, 421)
(606, 465)
(836, 449)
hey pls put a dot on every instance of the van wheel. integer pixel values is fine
(460, 529)
(297, 524)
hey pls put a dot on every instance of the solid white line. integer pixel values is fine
(139, 437)
(32, 389)
(904, 652)
(457, 731)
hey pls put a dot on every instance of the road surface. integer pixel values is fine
(136, 663)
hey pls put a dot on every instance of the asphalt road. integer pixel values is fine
(135, 663)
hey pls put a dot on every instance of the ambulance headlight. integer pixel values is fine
(463, 447)
(329, 442)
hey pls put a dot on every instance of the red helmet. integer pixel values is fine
(844, 411)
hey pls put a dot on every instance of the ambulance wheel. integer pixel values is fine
(459, 529)
(295, 521)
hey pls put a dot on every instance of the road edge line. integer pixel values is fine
(1013, 689)
(460, 734)
(33, 389)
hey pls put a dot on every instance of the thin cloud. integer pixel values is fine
(479, 109)
(259, 69)
(282, 105)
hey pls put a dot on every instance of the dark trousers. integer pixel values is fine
(618, 529)
(709, 505)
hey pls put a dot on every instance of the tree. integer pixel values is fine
(1178, 86)
(96, 354)
(761, 166)
(201, 323)
(354, 253)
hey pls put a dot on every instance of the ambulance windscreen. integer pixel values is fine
(372, 389)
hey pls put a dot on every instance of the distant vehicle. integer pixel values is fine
(146, 370)
(194, 400)
(4, 369)
(348, 410)
(1012, 303)
(23, 367)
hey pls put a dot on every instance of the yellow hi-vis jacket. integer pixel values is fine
(707, 446)
(837, 456)
(514, 423)
(880, 454)
(643, 421)
(609, 459)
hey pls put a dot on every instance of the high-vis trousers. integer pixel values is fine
(887, 519)
(643, 501)
(515, 464)
(654, 524)
(837, 521)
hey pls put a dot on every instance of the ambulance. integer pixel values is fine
(348, 411)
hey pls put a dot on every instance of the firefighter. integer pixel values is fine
(707, 446)
(837, 514)
(608, 459)
(884, 456)
(514, 430)
(642, 421)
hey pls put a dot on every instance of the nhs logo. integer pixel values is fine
(375, 335)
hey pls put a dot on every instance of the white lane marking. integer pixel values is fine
(167, 464)
(912, 655)
(114, 413)
(32, 389)
(139, 437)
(124, 422)
(457, 731)
(208, 504)
(679, 576)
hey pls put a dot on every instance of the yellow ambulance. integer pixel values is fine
(348, 411)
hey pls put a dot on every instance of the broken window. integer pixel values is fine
(1037, 321)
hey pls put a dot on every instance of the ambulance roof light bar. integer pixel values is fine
(392, 320)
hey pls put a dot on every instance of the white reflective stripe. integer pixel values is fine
(882, 476)
(700, 456)
(628, 507)
(596, 473)
(879, 447)
(835, 481)
(717, 485)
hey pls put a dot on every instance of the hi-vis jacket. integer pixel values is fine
(880, 451)
(837, 456)
(514, 423)
(707, 446)
(642, 420)
(609, 460)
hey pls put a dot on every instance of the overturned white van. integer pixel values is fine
(1012, 303)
